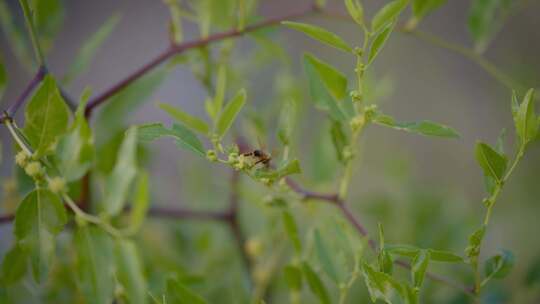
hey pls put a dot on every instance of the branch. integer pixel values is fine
(180, 48)
(10, 112)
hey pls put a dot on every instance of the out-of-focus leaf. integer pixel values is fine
(129, 271)
(339, 139)
(15, 35)
(424, 127)
(485, 19)
(95, 264)
(180, 294)
(356, 10)
(48, 18)
(500, 265)
(75, 150)
(289, 168)
(293, 277)
(229, 113)
(47, 117)
(403, 250)
(444, 256)
(334, 81)
(315, 284)
(387, 14)
(140, 202)
(379, 41)
(525, 118)
(90, 47)
(320, 34)
(113, 115)
(215, 105)
(123, 174)
(320, 94)
(39, 218)
(14, 265)
(185, 139)
(533, 273)
(421, 8)
(475, 240)
(419, 267)
(287, 121)
(325, 258)
(185, 118)
(292, 231)
(492, 163)
(380, 285)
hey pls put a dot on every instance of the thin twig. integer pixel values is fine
(180, 48)
(11, 110)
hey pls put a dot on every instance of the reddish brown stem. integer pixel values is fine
(11, 110)
(180, 48)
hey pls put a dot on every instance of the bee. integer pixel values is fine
(260, 156)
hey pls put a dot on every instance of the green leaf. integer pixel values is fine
(3, 77)
(180, 294)
(112, 116)
(129, 271)
(14, 265)
(47, 117)
(293, 277)
(292, 232)
(387, 14)
(319, 93)
(185, 139)
(123, 174)
(475, 240)
(339, 139)
(485, 19)
(287, 119)
(320, 34)
(140, 202)
(48, 18)
(525, 119)
(379, 41)
(356, 10)
(493, 164)
(39, 218)
(421, 8)
(95, 264)
(380, 285)
(334, 81)
(424, 127)
(75, 150)
(231, 110)
(289, 168)
(402, 250)
(325, 258)
(315, 284)
(213, 108)
(15, 35)
(90, 47)
(500, 265)
(419, 267)
(188, 120)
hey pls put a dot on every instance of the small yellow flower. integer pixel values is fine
(253, 247)
(34, 169)
(21, 158)
(57, 184)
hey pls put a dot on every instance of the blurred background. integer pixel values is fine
(425, 191)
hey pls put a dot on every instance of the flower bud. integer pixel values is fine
(21, 158)
(57, 185)
(34, 169)
(253, 247)
(211, 155)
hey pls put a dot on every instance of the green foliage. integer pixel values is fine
(39, 218)
(320, 34)
(278, 234)
(47, 117)
(90, 47)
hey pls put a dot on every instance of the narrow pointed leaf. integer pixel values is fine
(123, 174)
(315, 284)
(379, 41)
(188, 120)
(231, 110)
(492, 163)
(334, 81)
(387, 14)
(500, 265)
(325, 258)
(129, 271)
(180, 294)
(320, 34)
(140, 202)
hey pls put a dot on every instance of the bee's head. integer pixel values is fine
(258, 153)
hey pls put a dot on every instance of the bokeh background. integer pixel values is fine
(425, 191)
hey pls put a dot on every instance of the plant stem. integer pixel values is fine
(29, 21)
